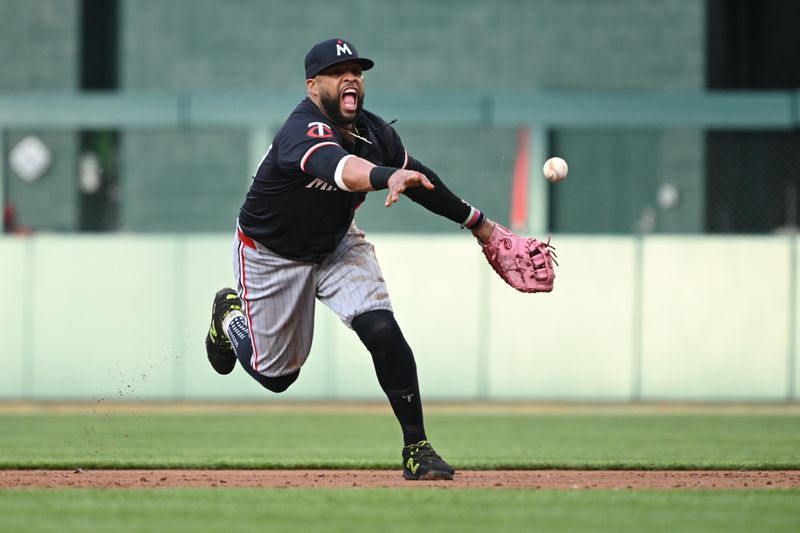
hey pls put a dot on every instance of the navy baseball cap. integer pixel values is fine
(327, 53)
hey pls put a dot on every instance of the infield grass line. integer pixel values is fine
(294, 440)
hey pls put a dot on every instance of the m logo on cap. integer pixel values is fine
(342, 47)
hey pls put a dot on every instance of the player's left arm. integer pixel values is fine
(442, 201)
(438, 199)
(419, 183)
(359, 175)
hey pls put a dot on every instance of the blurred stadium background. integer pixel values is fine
(129, 130)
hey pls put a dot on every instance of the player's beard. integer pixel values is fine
(334, 111)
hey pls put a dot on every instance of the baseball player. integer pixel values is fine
(296, 242)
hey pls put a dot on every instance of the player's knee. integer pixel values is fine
(278, 384)
(376, 329)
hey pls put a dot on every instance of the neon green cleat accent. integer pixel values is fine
(420, 461)
(218, 346)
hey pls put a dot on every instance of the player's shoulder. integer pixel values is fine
(306, 109)
(372, 120)
(307, 121)
(379, 127)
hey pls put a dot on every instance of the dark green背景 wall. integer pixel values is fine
(510, 46)
(39, 44)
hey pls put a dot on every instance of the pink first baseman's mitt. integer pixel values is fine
(525, 264)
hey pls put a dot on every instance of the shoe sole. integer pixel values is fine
(433, 475)
(220, 363)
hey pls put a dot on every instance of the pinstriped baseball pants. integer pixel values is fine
(279, 296)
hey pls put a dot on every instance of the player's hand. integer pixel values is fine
(405, 179)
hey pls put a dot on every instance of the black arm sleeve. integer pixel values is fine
(440, 200)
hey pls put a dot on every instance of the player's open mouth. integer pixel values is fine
(350, 99)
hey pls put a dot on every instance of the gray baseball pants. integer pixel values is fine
(279, 296)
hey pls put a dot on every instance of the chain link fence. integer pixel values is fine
(753, 181)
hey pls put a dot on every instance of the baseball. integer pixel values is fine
(555, 169)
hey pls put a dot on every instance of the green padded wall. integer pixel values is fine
(711, 337)
(14, 285)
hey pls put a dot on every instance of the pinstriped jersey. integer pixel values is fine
(294, 207)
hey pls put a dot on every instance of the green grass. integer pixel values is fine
(387, 511)
(370, 440)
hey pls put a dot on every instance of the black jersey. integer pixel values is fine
(294, 206)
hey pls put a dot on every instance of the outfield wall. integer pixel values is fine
(654, 318)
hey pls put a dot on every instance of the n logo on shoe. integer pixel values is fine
(412, 465)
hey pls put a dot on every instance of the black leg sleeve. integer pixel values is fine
(395, 368)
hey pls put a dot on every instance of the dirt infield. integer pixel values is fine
(502, 479)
